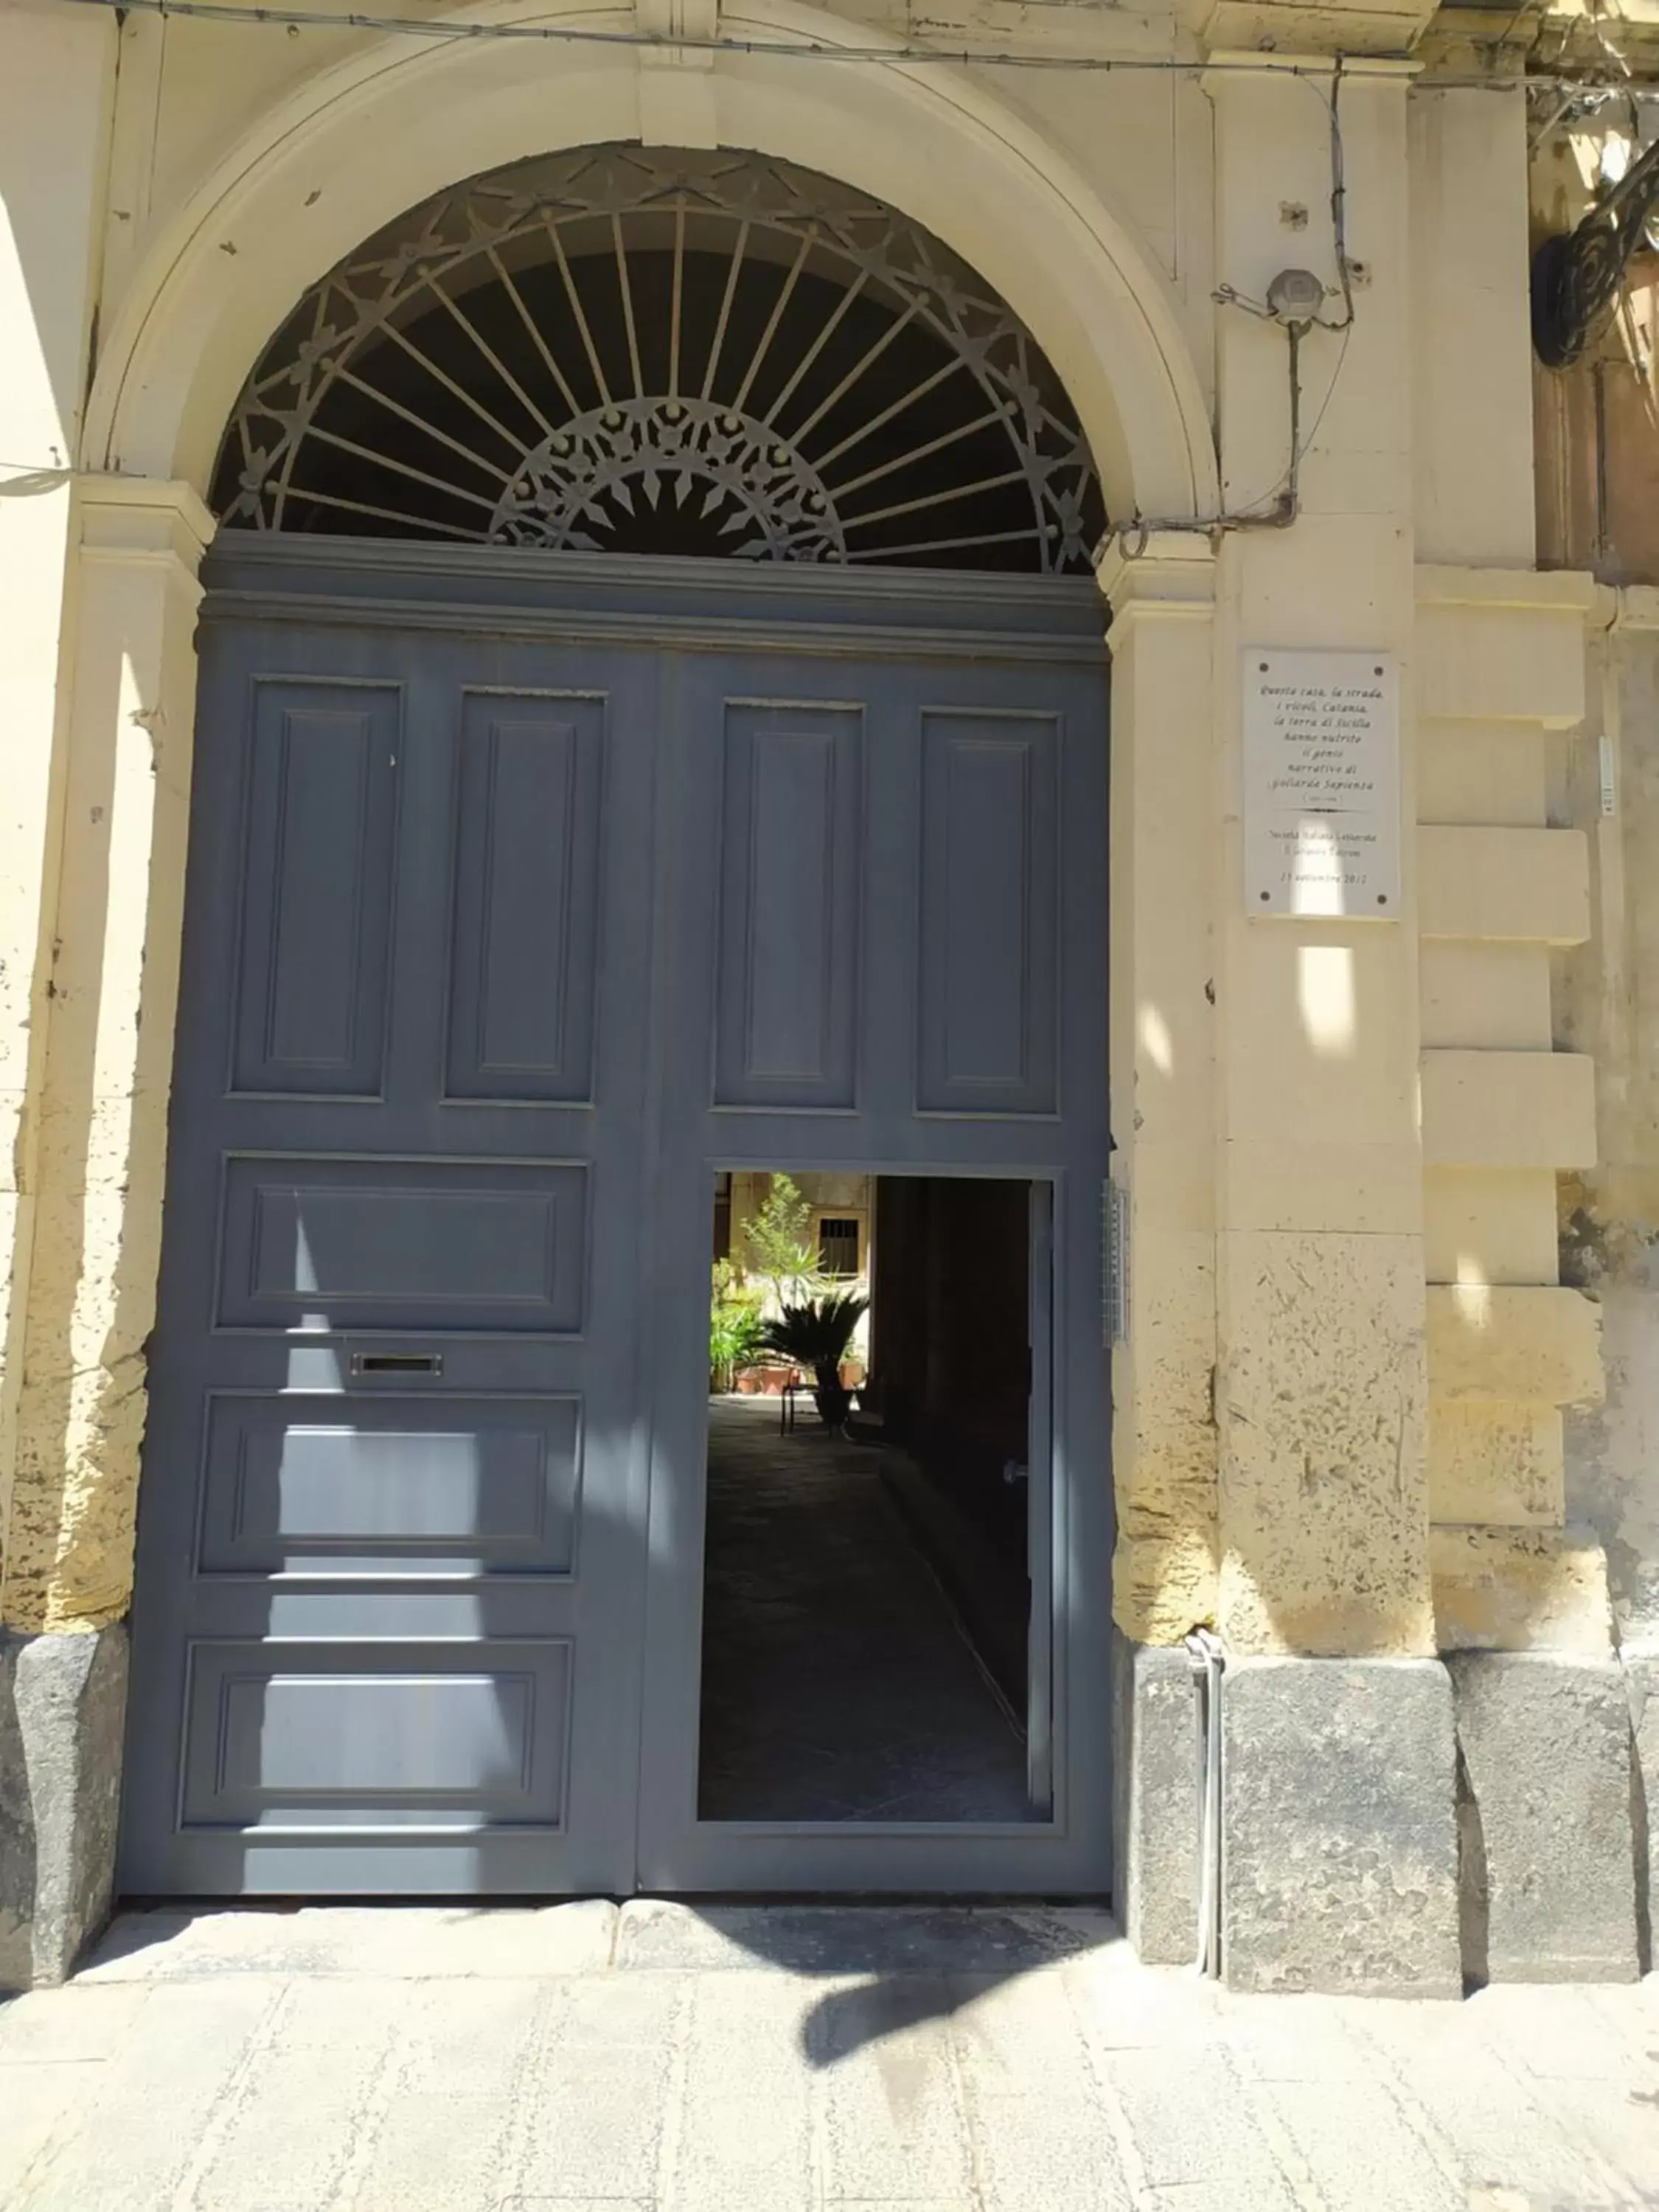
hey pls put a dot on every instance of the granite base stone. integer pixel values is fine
(1339, 1867)
(1158, 1802)
(1549, 1862)
(63, 1703)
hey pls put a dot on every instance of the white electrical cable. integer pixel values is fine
(441, 28)
(1207, 1659)
(278, 17)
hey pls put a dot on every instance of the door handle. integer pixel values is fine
(397, 1363)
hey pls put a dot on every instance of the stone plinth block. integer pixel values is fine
(1156, 1802)
(1339, 1858)
(1548, 1853)
(63, 1700)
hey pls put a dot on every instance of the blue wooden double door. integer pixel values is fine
(527, 894)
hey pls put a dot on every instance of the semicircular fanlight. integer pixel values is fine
(625, 351)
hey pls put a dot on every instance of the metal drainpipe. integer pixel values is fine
(1207, 1659)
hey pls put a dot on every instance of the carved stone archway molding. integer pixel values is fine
(399, 120)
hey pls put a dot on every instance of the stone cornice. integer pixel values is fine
(1566, 37)
(140, 522)
(1169, 573)
(1315, 27)
(143, 514)
(1543, 591)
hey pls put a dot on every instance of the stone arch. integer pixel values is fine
(353, 146)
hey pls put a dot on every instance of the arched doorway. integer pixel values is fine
(652, 731)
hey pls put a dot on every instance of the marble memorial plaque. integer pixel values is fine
(1321, 784)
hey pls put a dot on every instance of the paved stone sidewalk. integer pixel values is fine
(662, 2059)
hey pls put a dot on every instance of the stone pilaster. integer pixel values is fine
(1339, 1864)
(55, 91)
(1321, 1379)
(102, 1105)
(1163, 1079)
(99, 1107)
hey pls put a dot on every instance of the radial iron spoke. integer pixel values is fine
(427, 429)
(514, 443)
(934, 499)
(577, 309)
(571, 402)
(496, 363)
(420, 522)
(766, 335)
(861, 369)
(674, 308)
(995, 420)
(403, 469)
(879, 421)
(628, 306)
(725, 309)
(832, 323)
(947, 544)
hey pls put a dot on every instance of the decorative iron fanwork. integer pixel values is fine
(622, 350)
(743, 479)
(1576, 277)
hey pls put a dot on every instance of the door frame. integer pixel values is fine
(1065, 1854)
(520, 597)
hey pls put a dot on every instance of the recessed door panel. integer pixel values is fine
(789, 865)
(401, 1244)
(989, 882)
(527, 861)
(382, 1736)
(321, 820)
(296, 1484)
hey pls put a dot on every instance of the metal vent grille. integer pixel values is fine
(625, 351)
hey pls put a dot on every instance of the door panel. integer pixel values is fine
(979, 1048)
(317, 873)
(789, 838)
(527, 859)
(388, 1636)
(483, 1486)
(988, 880)
(376, 1735)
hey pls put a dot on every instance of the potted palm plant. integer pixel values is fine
(815, 1334)
(734, 1328)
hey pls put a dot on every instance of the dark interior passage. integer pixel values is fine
(868, 1596)
(951, 1392)
(836, 1684)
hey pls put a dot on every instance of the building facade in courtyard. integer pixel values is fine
(991, 609)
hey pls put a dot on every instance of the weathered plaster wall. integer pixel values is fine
(103, 1098)
(1501, 687)
(1610, 1213)
(1598, 447)
(55, 95)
